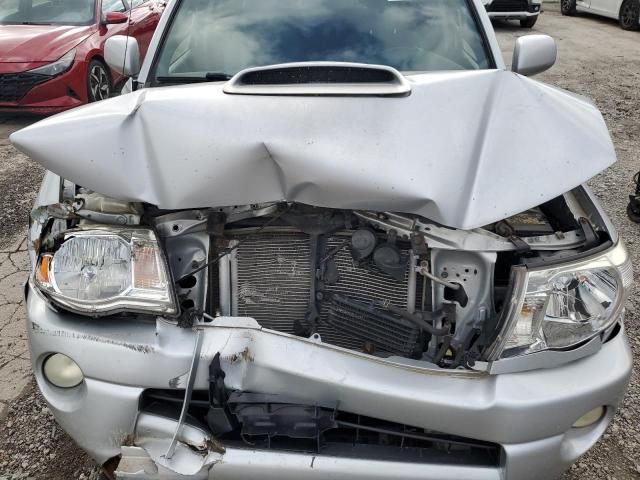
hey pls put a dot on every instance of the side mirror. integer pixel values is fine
(534, 54)
(115, 17)
(123, 55)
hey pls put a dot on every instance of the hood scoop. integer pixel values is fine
(320, 79)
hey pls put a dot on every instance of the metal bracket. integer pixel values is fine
(218, 417)
(520, 244)
(187, 394)
(590, 235)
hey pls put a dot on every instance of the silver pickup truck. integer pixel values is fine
(327, 239)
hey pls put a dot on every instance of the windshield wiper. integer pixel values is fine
(207, 77)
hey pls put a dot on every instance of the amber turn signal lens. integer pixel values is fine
(42, 272)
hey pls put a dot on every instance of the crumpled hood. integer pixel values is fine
(464, 149)
(39, 43)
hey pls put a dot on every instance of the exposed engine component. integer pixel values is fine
(379, 330)
(94, 207)
(271, 274)
(363, 243)
(388, 258)
(321, 272)
(383, 283)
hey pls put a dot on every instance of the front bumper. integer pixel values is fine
(58, 94)
(528, 414)
(495, 12)
(512, 15)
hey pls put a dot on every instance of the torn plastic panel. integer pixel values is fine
(195, 451)
(284, 423)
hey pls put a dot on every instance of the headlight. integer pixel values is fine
(103, 271)
(57, 67)
(560, 307)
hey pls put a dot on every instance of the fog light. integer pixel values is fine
(589, 418)
(62, 372)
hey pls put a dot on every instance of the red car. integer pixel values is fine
(51, 51)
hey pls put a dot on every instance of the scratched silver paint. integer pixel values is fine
(530, 423)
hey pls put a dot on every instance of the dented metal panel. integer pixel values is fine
(520, 143)
(460, 402)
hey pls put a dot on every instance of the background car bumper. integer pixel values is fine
(530, 414)
(512, 15)
(58, 94)
(514, 9)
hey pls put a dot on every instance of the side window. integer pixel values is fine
(137, 3)
(112, 6)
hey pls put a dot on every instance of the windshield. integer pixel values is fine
(47, 12)
(213, 39)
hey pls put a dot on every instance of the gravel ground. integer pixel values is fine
(19, 179)
(596, 59)
(32, 446)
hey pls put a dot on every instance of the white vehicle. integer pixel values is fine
(626, 11)
(527, 11)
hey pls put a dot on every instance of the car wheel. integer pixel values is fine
(99, 85)
(633, 213)
(568, 7)
(528, 22)
(630, 14)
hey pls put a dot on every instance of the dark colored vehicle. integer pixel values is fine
(51, 51)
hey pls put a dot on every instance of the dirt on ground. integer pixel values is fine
(596, 59)
(19, 180)
(33, 446)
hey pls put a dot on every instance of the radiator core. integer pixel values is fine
(271, 280)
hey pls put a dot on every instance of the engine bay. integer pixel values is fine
(385, 284)
(390, 285)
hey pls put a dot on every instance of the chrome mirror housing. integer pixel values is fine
(534, 54)
(122, 53)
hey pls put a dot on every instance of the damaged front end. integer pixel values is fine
(307, 298)
(393, 286)
(314, 334)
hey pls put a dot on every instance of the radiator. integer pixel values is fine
(270, 279)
